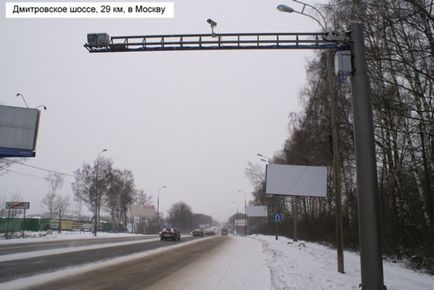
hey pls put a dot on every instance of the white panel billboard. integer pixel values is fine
(240, 222)
(141, 210)
(296, 180)
(257, 211)
(18, 131)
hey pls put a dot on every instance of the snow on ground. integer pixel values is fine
(44, 236)
(255, 262)
(240, 264)
(261, 262)
(304, 265)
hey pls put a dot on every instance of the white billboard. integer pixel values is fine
(240, 222)
(296, 180)
(257, 211)
(18, 131)
(141, 210)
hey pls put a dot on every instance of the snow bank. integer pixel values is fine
(309, 266)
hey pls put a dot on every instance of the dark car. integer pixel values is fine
(170, 234)
(198, 233)
(210, 233)
(224, 232)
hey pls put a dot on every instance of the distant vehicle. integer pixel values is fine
(210, 233)
(198, 233)
(224, 232)
(170, 234)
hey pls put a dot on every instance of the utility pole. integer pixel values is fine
(158, 207)
(368, 203)
(245, 213)
(336, 161)
(294, 209)
(97, 197)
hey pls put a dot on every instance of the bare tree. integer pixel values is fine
(181, 216)
(61, 204)
(119, 196)
(55, 182)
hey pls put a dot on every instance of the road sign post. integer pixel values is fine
(16, 205)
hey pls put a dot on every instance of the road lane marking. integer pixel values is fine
(41, 253)
(43, 278)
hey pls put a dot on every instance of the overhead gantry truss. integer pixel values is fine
(224, 41)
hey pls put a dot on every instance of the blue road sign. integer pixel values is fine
(277, 217)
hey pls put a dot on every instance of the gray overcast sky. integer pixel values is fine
(188, 120)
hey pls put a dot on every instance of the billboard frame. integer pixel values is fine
(16, 126)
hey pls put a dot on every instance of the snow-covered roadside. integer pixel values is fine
(65, 235)
(259, 262)
(239, 264)
(309, 266)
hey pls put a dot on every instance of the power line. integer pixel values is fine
(31, 176)
(43, 169)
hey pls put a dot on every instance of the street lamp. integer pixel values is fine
(364, 143)
(245, 211)
(265, 158)
(236, 217)
(44, 107)
(96, 191)
(272, 197)
(158, 206)
(335, 132)
(287, 9)
(24, 100)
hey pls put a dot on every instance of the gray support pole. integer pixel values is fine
(336, 162)
(276, 224)
(295, 219)
(245, 213)
(158, 213)
(368, 203)
(96, 200)
(24, 221)
(8, 223)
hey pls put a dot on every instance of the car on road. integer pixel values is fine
(170, 234)
(198, 233)
(224, 232)
(210, 233)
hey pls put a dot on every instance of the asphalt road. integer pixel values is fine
(139, 273)
(49, 245)
(11, 270)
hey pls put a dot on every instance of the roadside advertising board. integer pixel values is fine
(17, 205)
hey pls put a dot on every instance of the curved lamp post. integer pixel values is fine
(367, 187)
(158, 207)
(96, 192)
(24, 100)
(245, 211)
(336, 162)
(287, 9)
(265, 158)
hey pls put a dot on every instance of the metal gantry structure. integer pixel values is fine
(368, 207)
(223, 41)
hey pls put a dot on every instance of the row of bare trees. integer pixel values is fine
(107, 188)
(181, 216)
(400, 49)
